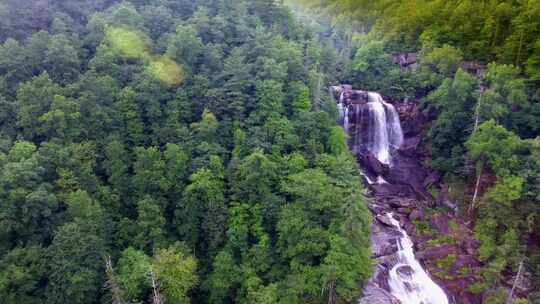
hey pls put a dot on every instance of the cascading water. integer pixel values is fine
(373, 126)
(408, 281)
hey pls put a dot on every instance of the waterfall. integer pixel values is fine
(408, 281)
(346, 118)
(372, 126)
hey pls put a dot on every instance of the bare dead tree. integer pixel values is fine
(516, 280)
(331, 288)
(156, 295)
(476, 188)
(111, 285)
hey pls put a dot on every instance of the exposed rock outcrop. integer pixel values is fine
(443, 244)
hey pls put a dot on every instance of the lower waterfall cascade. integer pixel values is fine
(408, 281)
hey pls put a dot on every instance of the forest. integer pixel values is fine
(477, 76)
(173, 152)
(188, 151)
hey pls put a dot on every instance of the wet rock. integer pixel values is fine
(469, 298)
(439, 222)
(458, 288)
(433, 178)
(376, 295)
(404, 59)
(524, 285)
(408, 171)
(376, 208)
(443, 199)
(416, 215)
(356, 96)
(462, 261)
(405, 271)
(389, 190)
(409, 227)
(410, 145)
(405, 211)
(412, 119)
(401, 203)
(436, 252)
(470, 245)
(385, 249)
(383, 239)
(372, 164)
(385, 220)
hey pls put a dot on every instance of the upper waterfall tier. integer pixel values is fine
(371, 123)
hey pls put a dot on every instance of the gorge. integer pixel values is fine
(375, 136)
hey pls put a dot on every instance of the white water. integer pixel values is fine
(346, 119)
(379, 181)
(408, 281)
(387, 133)
(383, 133)
(341, 106)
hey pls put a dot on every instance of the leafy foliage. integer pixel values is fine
(164, 148)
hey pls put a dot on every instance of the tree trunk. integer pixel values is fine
(477, 111)
(511, 295)
(475, 196)
(156, 296)
(116, 292)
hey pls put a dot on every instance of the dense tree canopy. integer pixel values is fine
(172, 150)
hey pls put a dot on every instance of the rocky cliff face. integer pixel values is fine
(443, 243)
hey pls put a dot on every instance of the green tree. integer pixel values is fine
(371, 65)
(185, 46)
(505, 94)
(34, 100)
(116, 166)
(21, 274)
(29, 206)
(157, 19)
(62, 120)
(455, 100)
(301, 97)
(150, 225)
(176, 274)
(225, 276)
(13, 62)
(496, 145)
(337, 141)
(201, 214)
(62, 60)
(75, 261)
(270, 99)
(132, 124)
(133, 274)
(149, 167)
(533, 63)
(444, 60)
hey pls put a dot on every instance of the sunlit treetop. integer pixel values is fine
(132, 44)
(166, 70)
